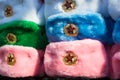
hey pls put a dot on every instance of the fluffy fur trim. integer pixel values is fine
(23, 62)
(115, 62)
(89, 59)
(21, 10)
(116, 32)
(55, 6)
(90, 25)
(114, 9)
(25, 33)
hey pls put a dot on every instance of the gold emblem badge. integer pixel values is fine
(70, 58)
(71, 30)
(11, 60)
(8, 11)
(11, 38)
(69, 5)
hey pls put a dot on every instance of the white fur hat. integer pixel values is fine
(11, 10)
(114, 9)
(61, 6)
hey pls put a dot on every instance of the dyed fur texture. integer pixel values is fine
(115, 62)
(53, 7)
(91, 59)
(116, 32)
(22, 10)
(90, 25)
(27, 34)
(113, 8)
(28, 61)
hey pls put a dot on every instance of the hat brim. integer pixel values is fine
(27, 34)
(90, 25)
(91, 59)
(28, 61)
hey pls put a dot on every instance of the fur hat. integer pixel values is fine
(116, 32)
(114, 9)
(53, 7)
(24, 33)
(115, 62)
(83, 58)
(21, 10)
(76, 26)
(19, 61)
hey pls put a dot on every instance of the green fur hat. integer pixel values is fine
(23, 33)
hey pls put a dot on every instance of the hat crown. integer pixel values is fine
(11, 10)
(56, 6)
(114, 9)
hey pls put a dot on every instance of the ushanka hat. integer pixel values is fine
(24, 33)
(20, 10)
(22, 38)
(53, 7)
(17, 61)
(80, 58)
(116, 32)
(113, 8)
(115, 62)
(77, 26)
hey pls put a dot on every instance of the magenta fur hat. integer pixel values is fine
(83, 58)
(19, 61)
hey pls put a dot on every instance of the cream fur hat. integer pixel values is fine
(11, 10)
(62, 6)
(114, 9)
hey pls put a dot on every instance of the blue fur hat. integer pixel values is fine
(116, 32)
(76, 26)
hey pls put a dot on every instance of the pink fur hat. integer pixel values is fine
(19, 61)
(115, 61)
(83, 58)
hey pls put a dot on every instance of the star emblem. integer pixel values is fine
(71, 30)
(68, 5)
(70, 58)
(8, 11)
(11, 38)
(11, 59)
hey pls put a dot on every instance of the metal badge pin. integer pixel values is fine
(71, 30)
(8, 11)
(11, 60)
(11, 38)
(69, 5)
(70, 58)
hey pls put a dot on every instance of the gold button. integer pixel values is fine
(71, 30)
(11, 38)
(68, 5)
(8, 11)
(70, 58)
(11, 60)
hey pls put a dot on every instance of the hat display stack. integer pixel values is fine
(77, 32)
(22, 38)
(59, 39)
